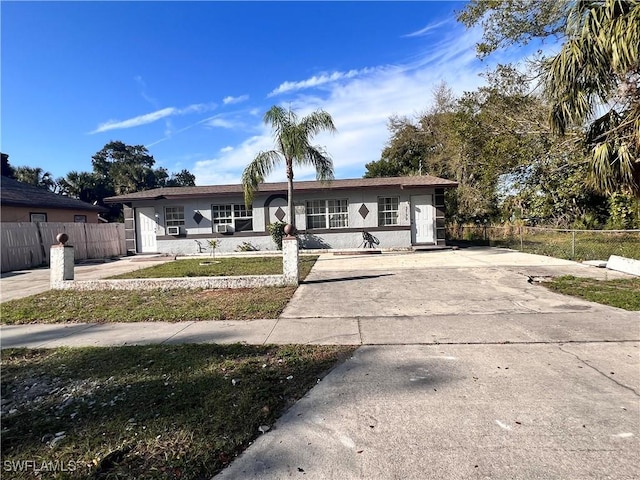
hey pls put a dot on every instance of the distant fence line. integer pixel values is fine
(561, 243)
(27, 244)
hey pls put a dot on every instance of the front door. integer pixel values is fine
(422, 219)
(146, 230)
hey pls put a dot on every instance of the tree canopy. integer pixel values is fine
(591, 83)
(117, 169)
(496, 142)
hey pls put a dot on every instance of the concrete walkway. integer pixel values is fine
(466, 370)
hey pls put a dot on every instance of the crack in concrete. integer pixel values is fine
(179, 331)
(631, 389)
(271, 332)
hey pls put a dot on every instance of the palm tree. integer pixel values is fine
(594, 79)
(35, 176)
(292, 138)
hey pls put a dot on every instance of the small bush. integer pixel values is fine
(276, 230)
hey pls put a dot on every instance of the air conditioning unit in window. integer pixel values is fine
(173, 230)
(223, 228)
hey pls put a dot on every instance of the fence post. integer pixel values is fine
(61, 261)
(573, 244)
(521, 242)
(290, 260)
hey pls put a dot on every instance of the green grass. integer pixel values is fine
(228, 266)
(175, 305)
(57, 306)
(148, 412)
(621, 293)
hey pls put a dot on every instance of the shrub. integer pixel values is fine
(276, 230)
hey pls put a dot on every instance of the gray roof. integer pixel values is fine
(281, 187)
(18, 194)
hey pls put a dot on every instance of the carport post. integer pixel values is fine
(290, 260)
(61, 261)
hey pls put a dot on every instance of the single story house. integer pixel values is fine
(398, 212)
(22, 202)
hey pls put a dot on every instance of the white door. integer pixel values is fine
(146, 230)
(422, 219)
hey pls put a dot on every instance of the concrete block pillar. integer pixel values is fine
(61, 263)
(290, 260)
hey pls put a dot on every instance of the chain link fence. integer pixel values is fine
(576, 245)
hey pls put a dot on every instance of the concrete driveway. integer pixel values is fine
(470, 372)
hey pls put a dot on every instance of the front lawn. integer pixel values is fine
(228, 266)
(621, 293)
(57, 306)
(147, 412)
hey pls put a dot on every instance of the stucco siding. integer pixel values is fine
(23, 214)
(362, 217)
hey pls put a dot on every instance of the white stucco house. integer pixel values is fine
(400, 212)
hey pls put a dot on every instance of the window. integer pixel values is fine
(38, 217)
(388, 211)
(239, 216)
(80, 218)
(174, 216)
(327, 214)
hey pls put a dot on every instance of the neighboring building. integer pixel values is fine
(26, 203)
(400, 212)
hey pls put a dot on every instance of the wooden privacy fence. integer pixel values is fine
(26, 244)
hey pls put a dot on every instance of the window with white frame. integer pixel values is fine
(388, 211)
(327, 214)
(237, 215)
(174, 216)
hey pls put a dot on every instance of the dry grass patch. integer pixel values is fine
(147, 412)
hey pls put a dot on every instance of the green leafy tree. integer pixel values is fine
(127, 168)
(118, 169)
(184, 178)
(509, 22)
(592, 82)
(292, 138)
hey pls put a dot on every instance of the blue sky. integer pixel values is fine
(192, 80)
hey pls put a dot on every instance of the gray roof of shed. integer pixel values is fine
(281, 187)
(18, 194)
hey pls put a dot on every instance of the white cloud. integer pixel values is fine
(226, 149)
(318, 80)
(231, 100)
(221, 123)
(152, 117)
(136, 121)
(429, 28)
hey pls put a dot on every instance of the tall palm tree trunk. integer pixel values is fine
(292, 213)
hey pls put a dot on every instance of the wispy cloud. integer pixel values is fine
(135, 121)
(318, 80)
(231, 100)
(151, 117)
(429, 28)
(222, 123)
